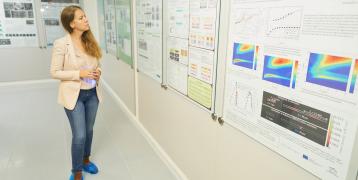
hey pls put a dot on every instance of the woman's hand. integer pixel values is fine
(97, 74)
(87, 74)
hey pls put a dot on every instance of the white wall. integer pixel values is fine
(202, 148)
(20, 64)
(120, 76)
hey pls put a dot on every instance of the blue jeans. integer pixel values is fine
(82, 119)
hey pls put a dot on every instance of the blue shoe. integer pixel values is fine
(90, 168)
(72, 177)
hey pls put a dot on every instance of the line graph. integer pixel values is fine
(284, 22)
(247, 22)
(242, 98)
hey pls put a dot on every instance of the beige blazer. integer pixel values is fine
(65, 68)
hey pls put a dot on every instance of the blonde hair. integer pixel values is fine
(89, 42)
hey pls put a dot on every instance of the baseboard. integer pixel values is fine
(154, 144)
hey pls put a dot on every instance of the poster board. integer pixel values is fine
(110, 26)
(101, 24)
(149, 37)
(191, 49)
(18, 26)
(124, 31)
(291, 80)
(50, 14)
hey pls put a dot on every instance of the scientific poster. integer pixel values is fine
(51, 12)
(110, 26)
(178, 76)
(191, 48)
(149, 35)
(177, 53)
(124, 36)
(201, 64)
(178, 50)
(18, 24)
(203, 23)
(178, 18)
(101, 24)
(291, 80)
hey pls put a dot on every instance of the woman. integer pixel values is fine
(75, 61)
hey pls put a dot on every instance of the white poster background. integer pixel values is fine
(178, 76)
(294, 30)
(177, 53)
(203, 23)
(178, 50)
(201, 64)
(178, 18)
(110, 26)
(18, 24)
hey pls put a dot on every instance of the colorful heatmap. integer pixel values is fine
(329, 71)
(354, 77)
(278, 70)
(243, 55)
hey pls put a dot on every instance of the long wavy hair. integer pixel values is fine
(89, 42)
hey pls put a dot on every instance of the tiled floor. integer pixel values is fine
(35, 140)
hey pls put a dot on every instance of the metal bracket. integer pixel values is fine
(164, 86)
(221, 121)
(214, 116)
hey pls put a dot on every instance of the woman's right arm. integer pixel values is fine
(57, 63)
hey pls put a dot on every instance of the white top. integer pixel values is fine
(86, 62)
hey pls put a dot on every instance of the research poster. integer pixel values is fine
(101, 24)
(202, 31)
(149, 36)
(51, 12)
(291, 79)
(178, 76)
(191, 48)
(18, 24)
(124, 37)
(201, 64)
(110, 26)
(200, 76)
(178, 18)
(177, 53)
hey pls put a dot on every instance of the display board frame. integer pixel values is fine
(350, 171)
